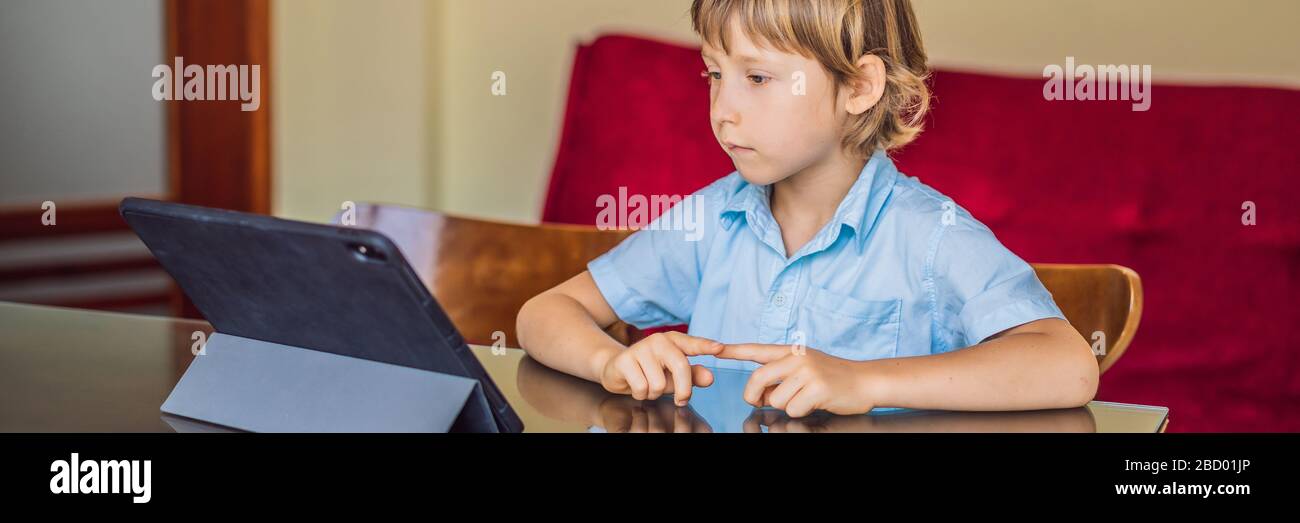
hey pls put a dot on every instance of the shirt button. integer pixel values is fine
(779, 300)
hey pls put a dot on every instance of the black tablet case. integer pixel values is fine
(318, 328)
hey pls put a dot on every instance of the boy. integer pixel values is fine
(842, 284)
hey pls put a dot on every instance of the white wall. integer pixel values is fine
(1185, 41)
(351, 100)
(498, 150)
(356, 118)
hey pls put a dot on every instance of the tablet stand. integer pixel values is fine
(260, 386)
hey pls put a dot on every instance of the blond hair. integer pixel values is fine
(836, 33)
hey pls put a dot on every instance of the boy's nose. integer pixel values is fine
(722, 110)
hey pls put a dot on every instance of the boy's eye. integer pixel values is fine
(758, 79)
(711, 75)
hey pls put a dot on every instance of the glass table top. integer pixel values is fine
(73, 370)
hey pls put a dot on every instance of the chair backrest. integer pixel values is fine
(1102, 302)
(482, 272)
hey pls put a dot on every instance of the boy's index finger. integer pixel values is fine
(694, 345)
(762, 353)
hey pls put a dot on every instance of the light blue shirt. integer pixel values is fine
(900, 270)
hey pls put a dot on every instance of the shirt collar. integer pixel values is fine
(858, 211)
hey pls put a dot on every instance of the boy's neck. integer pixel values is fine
(813, 194)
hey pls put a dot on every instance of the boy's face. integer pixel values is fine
(774, 113)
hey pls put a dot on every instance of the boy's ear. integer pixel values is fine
(868, 87)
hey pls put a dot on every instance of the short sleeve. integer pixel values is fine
(652, 278)
(988, 287)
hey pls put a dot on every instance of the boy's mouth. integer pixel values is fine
(734, 149)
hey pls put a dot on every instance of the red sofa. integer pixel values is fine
(1160, 191)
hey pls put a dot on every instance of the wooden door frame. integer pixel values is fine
(218, 155)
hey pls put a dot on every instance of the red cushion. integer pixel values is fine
(1160, 191)
(637, 116)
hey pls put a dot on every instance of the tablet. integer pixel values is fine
(327, 288)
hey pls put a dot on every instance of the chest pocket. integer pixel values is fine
(850, 328)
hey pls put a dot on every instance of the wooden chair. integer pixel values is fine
(1104, 299)
(482, 272)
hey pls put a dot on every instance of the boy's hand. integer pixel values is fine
(801, 380)
(647, 368)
